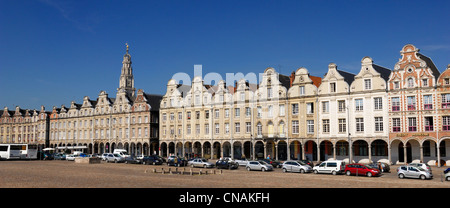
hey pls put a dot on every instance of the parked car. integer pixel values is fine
(382, 167)
(296, 166)
(408, 171)
(200, 162)
(114, 158)
(104, 156)
(132, 160)
(360, 169)
(424, 166)
(447, 174)
(242, 161)
(71, 157)
(227, 163)
(310, 163)
(331, 166)
(176, 161)
(274, 163)
(59, 156)
(258, 165)
(154, 160)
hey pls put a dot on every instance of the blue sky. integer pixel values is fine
(54, 52)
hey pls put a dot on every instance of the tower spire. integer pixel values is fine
(126, 82)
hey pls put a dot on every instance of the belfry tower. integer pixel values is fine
(126, 77)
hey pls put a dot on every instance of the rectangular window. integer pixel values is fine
(248, 127)
(259, 111)
(342, 125)
(295, 129)
(411, 102)
(359, 124)
(270, 111)
(326, 125)
(395, 104)
(367, 84)
(227, 113)
(359, 106)
(341, 106)
(446, 123)
(217, 128)
(309, 108)
(282, 111)
(216, 113)
(310, 126)
(197, 129)
(445, 100)
(237, 112)
(325, 107)
(237, 127)
(295, 109)
(428, 102)
(412, 124)
(425, 82)
(396, 125)
(333, 87)
(429, 123)
(378, 123)
(396, 85)
(206, 128)
(302, 90)
(378, 103)
(227, 128)
(188, 130)
(269, 93)
(248, 112)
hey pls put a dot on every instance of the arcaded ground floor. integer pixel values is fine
(395, 151)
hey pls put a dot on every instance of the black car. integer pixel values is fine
(310, 163)
(177, 161)
(227, 164)
(132, 160)
(154, 160)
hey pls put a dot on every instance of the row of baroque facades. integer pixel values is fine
(128, 121)
(378, 114)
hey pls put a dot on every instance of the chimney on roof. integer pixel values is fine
(291, 78)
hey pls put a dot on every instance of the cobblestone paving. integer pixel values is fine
(67, 174)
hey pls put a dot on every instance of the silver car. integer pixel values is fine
(408, 171)
(258, 165)
(200, 162)
(296, 166)
(114, 158)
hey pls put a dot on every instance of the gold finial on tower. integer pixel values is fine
(127, 46)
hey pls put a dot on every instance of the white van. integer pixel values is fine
(121, 152)
(331, 166)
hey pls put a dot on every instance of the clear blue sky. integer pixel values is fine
(54, 52)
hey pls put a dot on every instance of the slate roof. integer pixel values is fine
(430, 64)
(384, 72)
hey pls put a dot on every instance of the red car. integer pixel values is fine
(360, 169)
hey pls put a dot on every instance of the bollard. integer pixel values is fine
(154, 170)
(162, 171)
(190, 171)
(200, 172)
(220, 171)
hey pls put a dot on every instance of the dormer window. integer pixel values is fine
(410, 82)
(367, 84)
(425, 82)
(333, 87)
